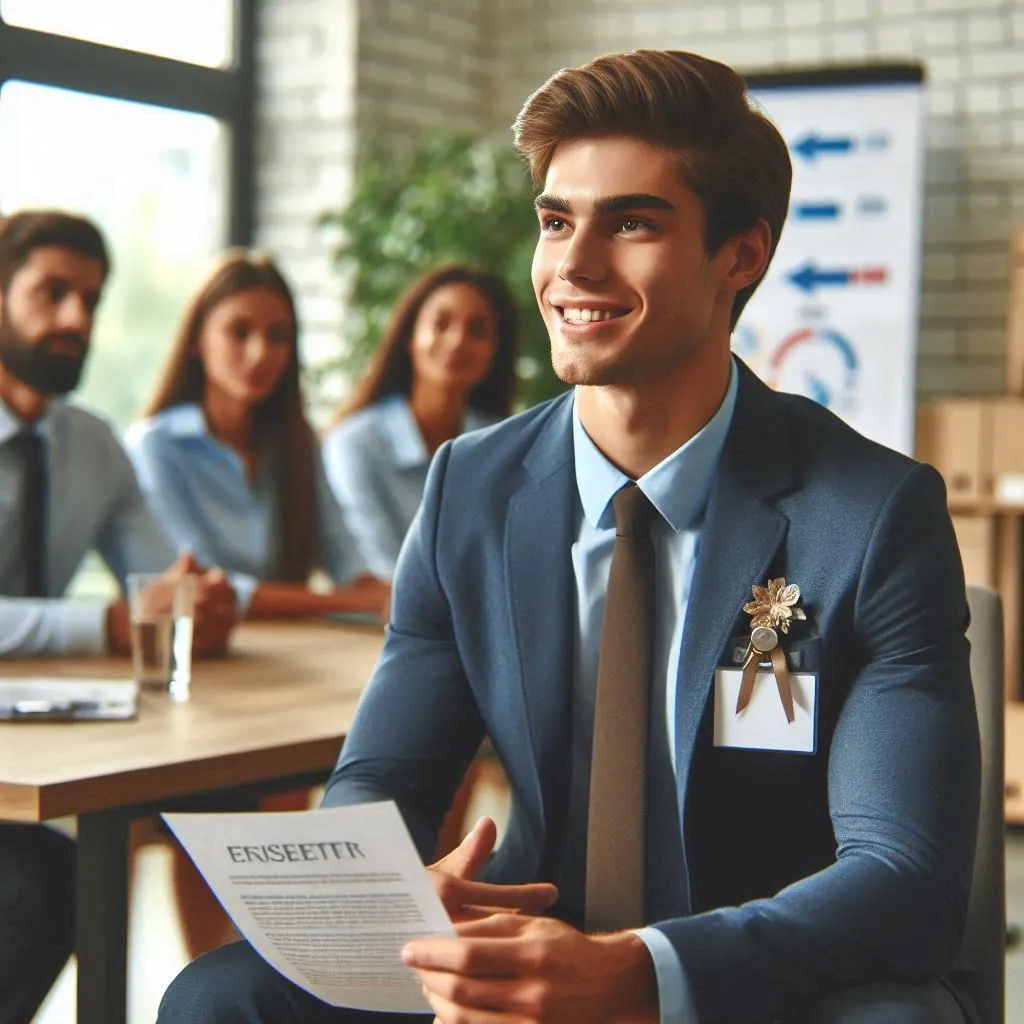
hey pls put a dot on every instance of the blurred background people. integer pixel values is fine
(66, 487)
(228, 461)
(445, 365)
(232, 470)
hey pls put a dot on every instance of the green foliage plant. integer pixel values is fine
(450, 197)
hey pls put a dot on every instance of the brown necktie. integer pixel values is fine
(615, 825)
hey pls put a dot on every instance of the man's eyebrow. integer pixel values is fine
(633, 201)
(53, 279)
(607, 204)
(549, 202)
(56, 278)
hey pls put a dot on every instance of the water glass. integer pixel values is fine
(161, 608)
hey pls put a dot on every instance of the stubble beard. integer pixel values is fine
(35, 365)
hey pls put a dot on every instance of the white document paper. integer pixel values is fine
(327, 897)
(762, 724)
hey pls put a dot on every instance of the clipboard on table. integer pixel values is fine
(40, 699)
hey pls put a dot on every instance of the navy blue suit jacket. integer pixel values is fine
(804, 873)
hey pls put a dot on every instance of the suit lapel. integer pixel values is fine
(741, 534)
(538, 541)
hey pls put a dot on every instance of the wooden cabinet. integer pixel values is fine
(1015, 317)
(951, 435)
(978, 447)
(977, 535)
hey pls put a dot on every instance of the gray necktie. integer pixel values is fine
(615, 824)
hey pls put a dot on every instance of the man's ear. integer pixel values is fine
(749, 255)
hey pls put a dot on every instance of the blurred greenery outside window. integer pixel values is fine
(155, 178)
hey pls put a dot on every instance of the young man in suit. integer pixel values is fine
(66, 487)
(577, 584)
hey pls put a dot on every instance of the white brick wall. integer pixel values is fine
(306, 56)
(420, 65)
(331, 74)
(394, 66)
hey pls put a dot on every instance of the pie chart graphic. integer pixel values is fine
(819, 363)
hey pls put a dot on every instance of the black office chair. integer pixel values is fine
(980, 966)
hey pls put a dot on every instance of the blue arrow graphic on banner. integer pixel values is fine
(808, 277)
(816, 211)
(812, 145)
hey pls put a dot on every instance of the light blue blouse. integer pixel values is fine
(377, 464)
(198, 491)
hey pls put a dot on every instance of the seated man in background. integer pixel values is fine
(66, 487)
(728, 845)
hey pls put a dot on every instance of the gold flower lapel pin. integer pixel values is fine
(775, 607)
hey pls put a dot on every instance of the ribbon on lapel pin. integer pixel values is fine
(773, 609)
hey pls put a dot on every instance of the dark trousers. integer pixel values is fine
(37, 916)
(233, 985)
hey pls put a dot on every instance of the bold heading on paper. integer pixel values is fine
(279, 853)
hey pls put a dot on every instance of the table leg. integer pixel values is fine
(101, 924)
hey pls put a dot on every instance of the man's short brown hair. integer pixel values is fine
(26, 230)
(730, 154)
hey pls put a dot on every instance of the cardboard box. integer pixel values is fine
(1015, 762)
(976, 536)
(1015, 316)
(1006, 452)
(951, 435)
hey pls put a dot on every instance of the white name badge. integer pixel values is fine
(762, 724)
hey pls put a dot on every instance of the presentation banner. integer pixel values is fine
(835, 318)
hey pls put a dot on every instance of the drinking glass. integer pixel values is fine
(161, 608)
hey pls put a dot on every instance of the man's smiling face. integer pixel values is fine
(620, 272)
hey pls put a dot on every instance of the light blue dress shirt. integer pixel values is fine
(377, 465)
(93, 502)
(678, 487)
(198, 490)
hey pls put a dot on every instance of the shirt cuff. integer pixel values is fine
(244, 587)
(675, 1001)
(83, 628)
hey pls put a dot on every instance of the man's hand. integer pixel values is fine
(119, 628)
(216, 609)
(214, 612)
(514, 969)
(465, 899)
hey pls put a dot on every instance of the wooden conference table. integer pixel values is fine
(270, 716)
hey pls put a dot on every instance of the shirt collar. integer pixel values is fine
(678, 486)
(45, 426)
(184, 420)
(399, 425)
(403, 432)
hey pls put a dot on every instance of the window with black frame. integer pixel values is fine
(137, 115)
(129, 113)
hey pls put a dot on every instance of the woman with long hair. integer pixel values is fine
(445, 365)
(232, 470)
(228, 461)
